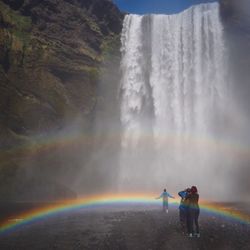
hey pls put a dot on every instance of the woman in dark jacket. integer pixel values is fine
(193, 212)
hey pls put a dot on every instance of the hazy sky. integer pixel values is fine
(156, 6)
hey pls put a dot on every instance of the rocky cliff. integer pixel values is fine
(50, 57)
(236, 19)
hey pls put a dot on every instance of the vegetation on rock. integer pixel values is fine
(51, 53)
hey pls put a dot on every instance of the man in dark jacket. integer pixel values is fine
(183, 208)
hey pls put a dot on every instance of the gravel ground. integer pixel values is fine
(126, 228)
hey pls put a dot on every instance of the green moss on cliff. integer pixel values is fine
(19, 28)
(14, 19)
(93, 25)
(111, 48)
(50, 75)
(92, 72)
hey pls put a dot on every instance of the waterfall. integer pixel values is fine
(172, 94)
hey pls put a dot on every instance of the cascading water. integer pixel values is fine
(172, 94)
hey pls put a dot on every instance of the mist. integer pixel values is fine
(236, 21)
(171, 116)
(172, 111)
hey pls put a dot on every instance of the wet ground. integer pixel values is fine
(124, 229)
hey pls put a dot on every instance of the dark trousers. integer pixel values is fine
(192, 219)
(183, 217)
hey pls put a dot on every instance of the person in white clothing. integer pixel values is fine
(164, 197)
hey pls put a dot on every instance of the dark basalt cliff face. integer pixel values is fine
(50, 57)
(236, 19)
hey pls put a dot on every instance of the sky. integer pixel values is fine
(156, 6)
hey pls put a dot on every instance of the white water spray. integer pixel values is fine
(172, 96)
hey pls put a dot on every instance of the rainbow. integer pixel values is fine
(73, 137)
(91, 202)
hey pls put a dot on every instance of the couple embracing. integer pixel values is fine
(189, 209)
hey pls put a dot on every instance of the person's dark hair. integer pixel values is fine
(194, 190)
(165, 190)
(188, 190)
